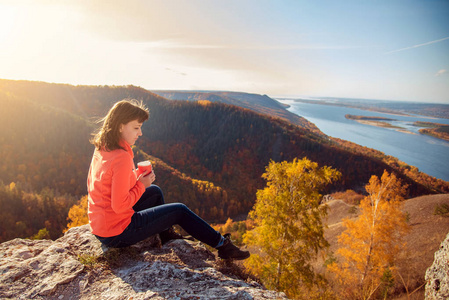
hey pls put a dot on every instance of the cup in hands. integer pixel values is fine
(144, 166)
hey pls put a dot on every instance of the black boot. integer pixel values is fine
(229, 250)
(171, 234)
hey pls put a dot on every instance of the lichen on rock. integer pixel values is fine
(76, 266)
(437, 275)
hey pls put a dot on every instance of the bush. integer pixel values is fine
(442, 209)
(43, 234)
(349, 197)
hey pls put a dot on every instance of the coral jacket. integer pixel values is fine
(113, 190)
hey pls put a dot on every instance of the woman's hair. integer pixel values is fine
(123, 112)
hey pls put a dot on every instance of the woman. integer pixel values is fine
(125, 208)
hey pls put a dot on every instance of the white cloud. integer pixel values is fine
(179, 44)
(441, 72)
(419, 45)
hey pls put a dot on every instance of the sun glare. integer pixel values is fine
(7, 18)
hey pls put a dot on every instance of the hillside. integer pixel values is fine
(207, 155)
(258, 103)
(428, 230)
(267, 106)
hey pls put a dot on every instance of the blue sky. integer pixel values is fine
(393, 50)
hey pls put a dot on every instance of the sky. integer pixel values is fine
(391, 50)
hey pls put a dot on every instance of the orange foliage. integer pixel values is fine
(204, 102)
(78, 214)
(371, 243)
(349, 196)
(236, 229)
(44, 144)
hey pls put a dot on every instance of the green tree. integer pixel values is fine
(41, 235)
(288, 231)
(372, 242)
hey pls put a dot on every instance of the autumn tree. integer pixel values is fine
(78, 214)
(289, 232)
(371, 243)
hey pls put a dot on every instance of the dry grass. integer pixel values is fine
(428, 230)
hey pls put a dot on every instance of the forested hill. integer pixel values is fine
(209, 155)
(259, 103)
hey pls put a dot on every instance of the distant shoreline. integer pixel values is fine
(344, 104)
(367, 118)
(436, 130)
(431, 110)
(378, 122)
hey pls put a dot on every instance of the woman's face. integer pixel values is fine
(131, 131)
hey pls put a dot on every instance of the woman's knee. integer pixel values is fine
(154, 189)
(180, 206)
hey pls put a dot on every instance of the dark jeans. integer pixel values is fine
(153, 216)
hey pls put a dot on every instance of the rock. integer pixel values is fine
(437, 276)
(76, 266)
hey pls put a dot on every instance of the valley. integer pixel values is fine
(210, 155)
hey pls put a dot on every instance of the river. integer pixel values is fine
(430, 155)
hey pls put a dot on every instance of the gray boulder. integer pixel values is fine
(437, 276)
(76, 266)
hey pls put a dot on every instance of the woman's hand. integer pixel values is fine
(147, 179)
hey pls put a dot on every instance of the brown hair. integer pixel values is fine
(123, 112)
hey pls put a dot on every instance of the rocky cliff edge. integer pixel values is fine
(76, 266)
(437, 276)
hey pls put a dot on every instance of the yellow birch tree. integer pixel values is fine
(288, 231)
(78, 214)
(372, 242)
